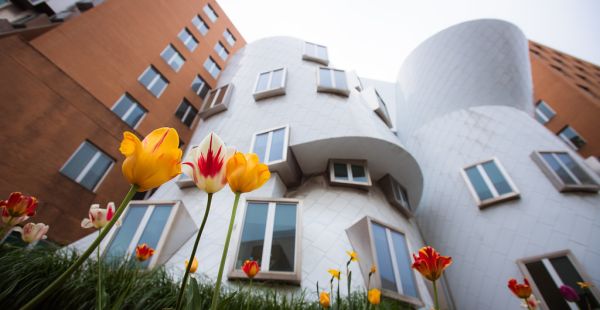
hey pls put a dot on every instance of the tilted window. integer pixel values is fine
(87, 166)
(543, 112)
(571, 137)
(489, 183)
(270, 83)
(200, 87)
(315, 52)
(564, 172)
(221, 51)
(210, 12)
(229, 37)
(349, 172)
(200, 25)
(186, 112)
(396, 194)
(271, 145)
(188, 39)
(211, 66)
(129, 110)
(217, 101)
(332, 81)
(154, 81)
(172, 57)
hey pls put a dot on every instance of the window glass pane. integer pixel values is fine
(135, 115)
(384, 259)
(253, 235)
(284, 238)
(263, 82)
(543, 108)
(177, 62)
(183, 36)
(210, 13)
(79, 160)
(189, 118)
(155, 226)
(181, 109)
(404, 264)
(569, 275)
(558, 169)
(324, 78)
(260, 146)
(229, 37)
(340, 171)
(539, 118)
(497, 178)
(120, 243)
(570, 135)
(277, 79)
(396, 190)
(340, 79)
(359, 174)
(93, 176)
(277, 147)
(575, 168)
(322, 52)
(122, 106)
(200, 25)
(148, 76)
(168, 53)
(158, 86)
(478, 183)
(191, 44)
(546, 285)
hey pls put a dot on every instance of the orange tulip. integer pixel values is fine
(245, 173)
(17, 208)
(143, 252)
(520, 290)
(250, 268)
(374, 296)
(430, 263)
(324, 300)
(194, 266)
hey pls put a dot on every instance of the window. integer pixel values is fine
(186, 112)
(564, 172)
(217, 101)
(221, 51)
(351, 172)
(571, 137)
(188, 39)
(211, 66)
(543, 112)
(87, 166)
(144, 195)
(208, 10)
(388, 248)
(549, 272)
(270, 83)
(155, 82)
(229, 37)
(129, 110)
(332, 81)
(200, 87)
(271, 145)
(172, 57)
(489, 183)
(396, 194)
(315, 52)
(270, 234)
(200, 25)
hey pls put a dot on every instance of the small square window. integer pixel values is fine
(188, 39)
(270, 234)
(200, 25)
(154, 81)
(349, 172)
(211, 66)
(489, 183)
(271, 145)
(221, 51)
(564, 172)
(229, 37)
(396, 194)
(315, 52)
(543, 112)
(571, 137)
(217, 101)
(210, 12)
(186, 112)
(87, 166)
(200, 87)
(172, 57)
(270, 83)
(332, 81)
(129, 110)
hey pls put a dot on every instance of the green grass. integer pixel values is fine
(24, 273)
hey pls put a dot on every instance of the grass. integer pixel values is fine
(24, 273)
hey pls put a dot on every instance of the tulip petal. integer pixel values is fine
(130, 144)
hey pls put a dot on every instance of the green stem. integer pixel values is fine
(65, 275)
(191, 260)
(249, 295)
(215, 299)
(99, 297)
(435, 296)
(339, 299)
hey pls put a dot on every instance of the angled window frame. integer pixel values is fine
(349, 163)
(540, 116)
(270, 132)
(396, 194)
(171, 61)
(229, 37)
(272, 90)
(203, 90)
(203, 30)
(333, 89)
(155, 79)
(210, 13)
(567, 140)
(88, 166)
(221, 51)
(212, 105)
(187, 40)
(189, 109)
(310, 53)
(213, 65)
(496, 197)
(556, 180)
(129, 110)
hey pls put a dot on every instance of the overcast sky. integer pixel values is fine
(373, 37)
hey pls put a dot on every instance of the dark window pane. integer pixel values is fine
(340, 79)
(384, 258)
(558, 169)
(135, 115)
(79, 160)
(546, 285)
(120, 243)
(154, 227)
(325, 78)
(284, 238)
(478, 183)
(277, 147)
(182, 109)
(497, 178)
(260, 146)
(569, 134)
(340, 171)
(575, 168)
(253, 235)
(358, 173)
(404, 265)
(93, 176)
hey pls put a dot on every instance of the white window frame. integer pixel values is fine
(541, 114)
(556, 181)
(212, 107)
(213, 65)
(229, 37)
(88, 166)
(187, 111)
(203, 22)
(190, 37)
(293, 277)
(200, 89)
(350, 181)
(170, 61)
(334, 89)
(567, 140)
(130, 110)
(382, 110)
(286, 142)
(208, 9)
(390, 185)
(220, 52)
(154, 80)
(490, 185)
(312, 55)
(272, 90)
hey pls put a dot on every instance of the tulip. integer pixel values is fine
(245, 173)
(194, 266)
(250, 268)
(335, 273)
(374, 296)
(373, 269)
(34, 232)
(324, 300)
(584, 285)
(353, 256)
(206, 164)
(430, 263)
(153, 161)
(569, 293)
(17, 208)
(520, 290)
(98, 217)
(143, 252)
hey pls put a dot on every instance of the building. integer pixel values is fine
(71, 89)
(448, 155)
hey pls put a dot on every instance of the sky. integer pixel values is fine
(374, 37)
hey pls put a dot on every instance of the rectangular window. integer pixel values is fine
(396, 194)
(349, 172)
(172, 57)
(315, 52)
(210, 12)
(186, 112)
(200, 87)
(270, 83)
(87, 166)
(489, 183)
(229, 37)
(271, 145)
(129, 110)
(543, 112)
(270, 235)
(154, 81)
(221, 51)
(332, 81)
(564, 172)
(571, 137)
(547, 273)
(200, 25)
(188, 39)
(211, 66)
(217, 101)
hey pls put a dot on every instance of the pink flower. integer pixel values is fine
(34, 232)
(98, 217)
(569, 293)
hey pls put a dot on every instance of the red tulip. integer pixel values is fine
(143, 252)
(520, 290)
(430, 263)
(250, 268)
(17, 208)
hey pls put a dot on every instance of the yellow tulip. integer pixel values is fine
(334, 273)
(324, 299)
(374, 296)
(373, 269)
(153, 161)
(245, 173)
(353, 256)
(194, 266)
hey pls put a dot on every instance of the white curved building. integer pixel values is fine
(385, 169)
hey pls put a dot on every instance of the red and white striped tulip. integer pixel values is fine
(34, 232)
(17, 208)
(98, 217)
(206, 164)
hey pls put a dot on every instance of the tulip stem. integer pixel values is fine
(65, 275)
(215, 299)
(435, 297)
(99, 296)
(191, 260)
